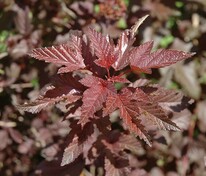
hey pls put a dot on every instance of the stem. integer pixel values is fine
(108, 73)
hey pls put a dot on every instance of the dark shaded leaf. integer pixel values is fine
(72, 152)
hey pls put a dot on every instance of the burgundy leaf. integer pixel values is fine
(128, 112)
(163, 57)
(134, 29)
(122, 50)
(139, 95)
(93, 103)
(89, 58)
(103, 48)
(157, 115)
(139, 56)
(87, 88)
(167, 97)
(90, 81)
(144, 61)
(4, 139)
(65, 54)
(125, 41)
(139, 83)
(52, 168)
(63, 84)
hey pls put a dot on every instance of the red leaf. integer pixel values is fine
(163, 57)
(63, 84)
(166, 97)
(139, 95)
(125, 41)
(66, 54)
(129, 112)
(103, 48)
(89, 58)
(90, 81)
(140, 56)
(139, 83)
(142, 61)
(122, 50)
(93, 99)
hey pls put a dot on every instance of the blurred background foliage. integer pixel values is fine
(30, 143)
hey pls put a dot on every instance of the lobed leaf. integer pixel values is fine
(122, 50)
(65, 54)
(129, 112)
(163, 57)
(156, 114)
(124, 45)
(93, 99)
(141, 60)
(90, 81)
(103, 48)
(140, 56)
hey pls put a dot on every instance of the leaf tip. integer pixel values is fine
(137, 24)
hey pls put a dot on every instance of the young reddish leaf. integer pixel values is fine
(134, 124)
(91, 96)
(90, 81)
(161, 58)
(124, 45)
(103, 48)
(122, 50)
(129, 111)
(63, 84)
(119, 142)
(139, 95)
(89, 58)
(141, 55)
(111, 104)
(72, 152)
(22, 20)
(63, 54)
(93, 99)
